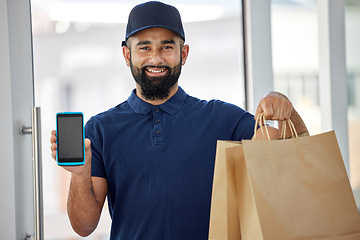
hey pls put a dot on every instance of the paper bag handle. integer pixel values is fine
(291, 127)
(261, 121)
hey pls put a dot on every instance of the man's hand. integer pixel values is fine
(278, 107)
(275, 106)
(83, 170)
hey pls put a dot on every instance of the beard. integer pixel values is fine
(156, 87)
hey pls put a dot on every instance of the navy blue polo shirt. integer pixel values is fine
(159, 163)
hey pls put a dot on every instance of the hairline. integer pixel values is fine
(182, 41)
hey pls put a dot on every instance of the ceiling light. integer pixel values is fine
(118, 13)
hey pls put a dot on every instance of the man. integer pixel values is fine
(153, 155)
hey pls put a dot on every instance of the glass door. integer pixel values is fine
(296, 57)
(18, 218)
(79, 67)
(352, 24)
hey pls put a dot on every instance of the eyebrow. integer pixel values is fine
(143, 43)
(148, 42)
(168, 42)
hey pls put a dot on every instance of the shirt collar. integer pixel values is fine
(171, 106)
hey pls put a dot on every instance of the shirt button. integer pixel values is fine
(157, 132)
(156, 110)
(157, 121)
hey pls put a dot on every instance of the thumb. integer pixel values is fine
(87, 144)
(87, 148)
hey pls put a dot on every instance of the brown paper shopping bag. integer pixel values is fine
(294, 189)
(224, 218)
(284, 189)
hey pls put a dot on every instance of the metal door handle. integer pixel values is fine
(35, 130)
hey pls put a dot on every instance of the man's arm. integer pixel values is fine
(277, 106)
(86, 194)
(85, 202)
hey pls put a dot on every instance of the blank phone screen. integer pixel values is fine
(70, 137)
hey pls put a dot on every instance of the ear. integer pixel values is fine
(184, 53)
(126, 53)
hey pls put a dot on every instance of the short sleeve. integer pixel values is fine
(245, 127)
(240, 122)
(94, 133)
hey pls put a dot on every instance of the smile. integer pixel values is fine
(155, 71)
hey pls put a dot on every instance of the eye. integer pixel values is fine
(144, 48)
(168, 47)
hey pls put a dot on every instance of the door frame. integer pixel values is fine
(16, 102)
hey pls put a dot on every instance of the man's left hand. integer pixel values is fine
(275, 106)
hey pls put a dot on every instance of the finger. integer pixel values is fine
(285, 111)
(87, 143)
(281, 105)
(277, 113)
(269, 111)
(282, 116)
(53, 155)
(53, 147)
(53, 136)
(281, 112)
(88, 153)
(265, 107)
(289, 111)
(52, 139)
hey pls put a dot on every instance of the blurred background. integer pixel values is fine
(78, 66)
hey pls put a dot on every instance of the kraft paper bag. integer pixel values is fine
(291, 189)
(224, 218)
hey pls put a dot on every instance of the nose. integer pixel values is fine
(156, 58)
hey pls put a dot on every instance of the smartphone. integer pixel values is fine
(70, 138)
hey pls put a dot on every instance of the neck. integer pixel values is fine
(172, 92)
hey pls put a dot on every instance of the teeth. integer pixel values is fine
(156, 71)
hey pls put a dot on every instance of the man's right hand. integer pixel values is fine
(86, 194)
(82, 170)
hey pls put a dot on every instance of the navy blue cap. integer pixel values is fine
(154, 14)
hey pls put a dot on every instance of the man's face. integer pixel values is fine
(155, 57)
